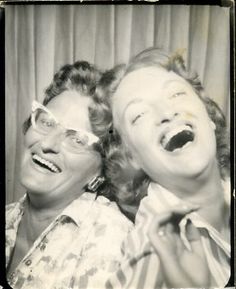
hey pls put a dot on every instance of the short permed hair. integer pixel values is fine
(118, 157)
(82, 77)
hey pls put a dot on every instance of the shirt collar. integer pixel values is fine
(160, 199)
(77, 210)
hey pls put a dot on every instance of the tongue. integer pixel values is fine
(179, 140)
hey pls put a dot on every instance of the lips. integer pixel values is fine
(46, 164)
(177, 137)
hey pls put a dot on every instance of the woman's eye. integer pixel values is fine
(78, 141)
(47, 123)
(178, 94)
(135, 119)
(44, 121)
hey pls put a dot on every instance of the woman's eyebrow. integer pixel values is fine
(70, 131)
(132, 102)
(168, 83)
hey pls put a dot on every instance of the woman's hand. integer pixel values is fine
(180, 267)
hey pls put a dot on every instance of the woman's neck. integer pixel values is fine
(41, 213)
(207, 192)
(50, 204)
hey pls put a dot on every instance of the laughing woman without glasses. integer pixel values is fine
(60, 235)
(172, 140)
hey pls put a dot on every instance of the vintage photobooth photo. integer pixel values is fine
(117, 120)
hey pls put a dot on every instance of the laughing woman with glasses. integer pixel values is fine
(64, 233)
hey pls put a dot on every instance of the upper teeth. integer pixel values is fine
(47, 163)
(167, 137)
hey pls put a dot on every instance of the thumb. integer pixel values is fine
(194, 237)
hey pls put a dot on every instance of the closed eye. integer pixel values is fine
(47, 123)
(178, 94)
(75, 137)
(137, 117)
(77, 141)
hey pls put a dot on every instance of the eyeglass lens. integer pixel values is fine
(45, 124)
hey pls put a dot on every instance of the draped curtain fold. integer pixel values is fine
(42, 38)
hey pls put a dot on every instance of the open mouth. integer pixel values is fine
(177, 138)
(45, 164)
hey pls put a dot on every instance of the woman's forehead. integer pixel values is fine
(142, 83)
(71, 109)
(68, 97)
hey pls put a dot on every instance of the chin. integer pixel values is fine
(33, 185)
(197, 168)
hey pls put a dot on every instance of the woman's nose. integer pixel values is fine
(165, 113)
(51, 143)
(168, 116)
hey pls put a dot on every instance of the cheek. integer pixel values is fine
(31, 137)
(137, 139)
(84, 163)
(143, 136)
(211, 140)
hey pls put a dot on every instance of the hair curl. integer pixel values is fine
(117, 158)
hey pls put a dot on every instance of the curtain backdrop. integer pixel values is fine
(42, 38)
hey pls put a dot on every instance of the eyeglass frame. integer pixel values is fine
(92, 139)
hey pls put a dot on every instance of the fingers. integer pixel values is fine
(166, 244)
(179, 212)
(157, 232)
(164, 232)
(194, 238)
(176, 261)
(160, 220)
(192, 232)
(163, 227)
(173, 213)
(162, 236)
(183, 209)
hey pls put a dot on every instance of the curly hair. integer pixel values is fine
(117, 158)
(126, 184)
(83, 78)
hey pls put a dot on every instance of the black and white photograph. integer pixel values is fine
(118, 125)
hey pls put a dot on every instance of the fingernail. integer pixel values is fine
(191, 231)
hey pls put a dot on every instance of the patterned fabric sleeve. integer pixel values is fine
(13, 213)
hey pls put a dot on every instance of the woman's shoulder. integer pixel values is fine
(15, 207)
(108, 225)
(109, 211)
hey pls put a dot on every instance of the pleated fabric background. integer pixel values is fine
(41, 38)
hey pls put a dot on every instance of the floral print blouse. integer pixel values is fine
(78, 250)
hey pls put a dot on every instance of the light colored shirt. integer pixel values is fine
(140, 268)
(78, 250)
